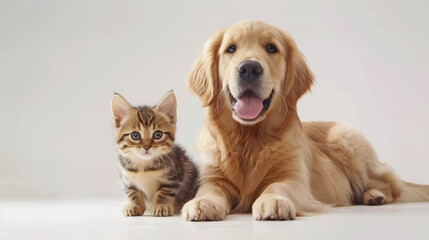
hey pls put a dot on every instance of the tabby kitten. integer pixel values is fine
(156, 173)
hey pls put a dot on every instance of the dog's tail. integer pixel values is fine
(412, 192)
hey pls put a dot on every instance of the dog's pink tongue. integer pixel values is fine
(248, 106)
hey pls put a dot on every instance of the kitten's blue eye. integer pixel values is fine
(135, 136)
(157, 135)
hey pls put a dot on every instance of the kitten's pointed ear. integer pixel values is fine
(120, 109)
(168, 106)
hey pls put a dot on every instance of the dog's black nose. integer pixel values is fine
(249, 70)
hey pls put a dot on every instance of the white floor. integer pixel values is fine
(101, 219)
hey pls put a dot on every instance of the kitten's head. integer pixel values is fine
(144, 133)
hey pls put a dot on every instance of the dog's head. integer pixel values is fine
(253, 66)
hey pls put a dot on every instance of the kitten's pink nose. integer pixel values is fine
(146, 147)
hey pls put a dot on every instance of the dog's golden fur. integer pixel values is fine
(276, 166)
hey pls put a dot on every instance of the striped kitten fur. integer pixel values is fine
(157, 174)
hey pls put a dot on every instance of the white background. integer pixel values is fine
(61, 61)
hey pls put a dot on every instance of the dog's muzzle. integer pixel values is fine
(248, 103)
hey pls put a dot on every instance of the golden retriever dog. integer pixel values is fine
(257, 156)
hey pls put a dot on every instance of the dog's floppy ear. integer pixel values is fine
(299, 77)
(203, 79)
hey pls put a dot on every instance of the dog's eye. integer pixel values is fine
(231, 48)
(271, 48)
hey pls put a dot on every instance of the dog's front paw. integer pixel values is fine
(204, 210)
(161, 210)
(273, 207)
(131, 210)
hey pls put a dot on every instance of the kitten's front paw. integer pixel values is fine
(131, 210)
(204, 210)
(273, 207)
(162, 210)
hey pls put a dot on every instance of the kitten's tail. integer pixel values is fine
(412, 192)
